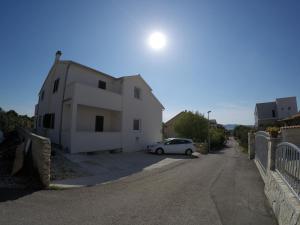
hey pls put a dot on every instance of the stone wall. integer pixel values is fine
(291, 134)
(285, 205)
(40, 152)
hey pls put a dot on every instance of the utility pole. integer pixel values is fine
(208, 135)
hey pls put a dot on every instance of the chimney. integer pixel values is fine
(57, 56)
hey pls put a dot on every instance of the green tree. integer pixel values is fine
(10, 120)
(241, 133)
(217, 137)
(192, 125)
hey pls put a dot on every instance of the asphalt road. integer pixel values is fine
(220, 188)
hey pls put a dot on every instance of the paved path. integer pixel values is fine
(221, 188)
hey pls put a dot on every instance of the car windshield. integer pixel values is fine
(166, 140)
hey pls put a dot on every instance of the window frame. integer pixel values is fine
(273, 113)
(102, 84)
(96, 126)
(137, 93)
(55, 86)
(49, 121)
(139, 125)
(42, 95)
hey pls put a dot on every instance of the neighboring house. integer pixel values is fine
(83, 110)
(270, 112)
(168, 127)
(292, 120)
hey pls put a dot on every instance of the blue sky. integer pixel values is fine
(222, 56)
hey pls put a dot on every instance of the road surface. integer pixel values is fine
(220, 188)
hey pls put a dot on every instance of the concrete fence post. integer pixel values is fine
(272, 145)
(251, 145)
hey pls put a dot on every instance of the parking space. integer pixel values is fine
(104, 167)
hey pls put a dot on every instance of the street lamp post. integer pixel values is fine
(208, 135)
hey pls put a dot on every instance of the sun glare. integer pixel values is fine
(157, 40)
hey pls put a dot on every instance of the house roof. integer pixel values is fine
(175, 117)
(295, 116)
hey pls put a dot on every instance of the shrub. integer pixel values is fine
(217, 138)
(273, 131)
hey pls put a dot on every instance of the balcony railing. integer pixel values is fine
(96, 97)
(86, 141)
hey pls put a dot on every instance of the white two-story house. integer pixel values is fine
(84, 110)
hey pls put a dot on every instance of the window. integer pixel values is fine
(137, 93)
(101, 84)
(273, 113)
(48, 120)
(42, 95)
(39, 121)
(55, 87)
(185, 142)
(289, 108)
(136, 124)
(99, 123)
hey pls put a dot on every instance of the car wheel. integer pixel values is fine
(159, 151)
(189, 152)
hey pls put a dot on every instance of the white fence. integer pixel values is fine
(261, 148)
(288, 165)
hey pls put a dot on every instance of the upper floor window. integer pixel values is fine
(101, 84)
(137, 92)
(55, 87)
(48, 120)
(136, 124)
(42, 95)
(273, 113)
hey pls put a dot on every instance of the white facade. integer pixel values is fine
(269, 112)
(121, 113)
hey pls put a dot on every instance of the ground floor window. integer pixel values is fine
(99, 123)
(48, 120)
(39, 121)
(136, 124)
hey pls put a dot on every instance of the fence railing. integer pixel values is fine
(261, 148)
(287, 161)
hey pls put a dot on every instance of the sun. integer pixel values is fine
(157, 41)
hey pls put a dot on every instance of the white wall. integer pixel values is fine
(95, 141)
(52, 101)
(91, 78)
(148, 110)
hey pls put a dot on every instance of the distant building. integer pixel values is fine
(85, 110)
(168, 128)
(270, 112)
(292, 120)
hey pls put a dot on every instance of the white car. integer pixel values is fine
(173, 145)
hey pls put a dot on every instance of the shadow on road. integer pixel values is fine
(13, 194)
